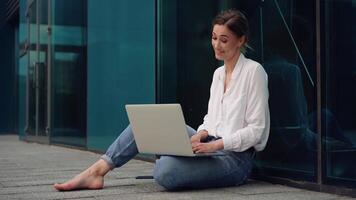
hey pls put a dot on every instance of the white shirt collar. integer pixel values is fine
(238, 66)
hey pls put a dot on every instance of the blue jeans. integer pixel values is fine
(175, 172)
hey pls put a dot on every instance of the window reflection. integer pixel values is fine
(339, 108)
(292, 143)
(69, 72)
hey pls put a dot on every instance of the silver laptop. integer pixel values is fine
(160, 129)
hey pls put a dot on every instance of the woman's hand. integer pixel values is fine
(208, 147)
(201, 135)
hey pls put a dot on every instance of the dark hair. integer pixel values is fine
(235, 21)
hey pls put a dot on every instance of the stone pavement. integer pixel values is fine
(28, 171)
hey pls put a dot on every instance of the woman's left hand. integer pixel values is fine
(207, 147)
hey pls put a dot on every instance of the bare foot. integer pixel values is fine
(92, 178)
(84, 180)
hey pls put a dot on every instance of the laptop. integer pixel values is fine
(160, 129)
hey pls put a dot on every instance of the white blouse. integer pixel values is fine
(240, 116)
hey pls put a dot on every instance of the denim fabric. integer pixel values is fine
(175, 172)
(122, 149)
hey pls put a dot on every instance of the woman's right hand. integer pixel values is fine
(201, 135)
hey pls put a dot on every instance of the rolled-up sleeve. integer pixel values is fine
(203, 126)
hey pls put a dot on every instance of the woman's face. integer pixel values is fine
(225, 43)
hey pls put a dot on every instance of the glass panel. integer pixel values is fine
(121, 64)
(290, 62)
(186, 61)
(339, 108)
(285, 48)
(68, 72)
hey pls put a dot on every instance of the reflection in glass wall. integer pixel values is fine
(282, 40)
(289, 60)
(185, 55)
(339, 108)
(68, 72)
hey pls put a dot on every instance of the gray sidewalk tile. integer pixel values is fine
(29, 170)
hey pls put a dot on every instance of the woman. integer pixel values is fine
(237, 122)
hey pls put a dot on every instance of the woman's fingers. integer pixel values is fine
(200, 147)
(196, 146)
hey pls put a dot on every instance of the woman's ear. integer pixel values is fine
(241, 41)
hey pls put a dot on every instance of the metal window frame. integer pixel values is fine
(36, 137)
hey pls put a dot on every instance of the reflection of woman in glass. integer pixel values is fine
(237, 122)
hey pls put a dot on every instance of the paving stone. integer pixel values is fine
(260, 187)
(29, 170)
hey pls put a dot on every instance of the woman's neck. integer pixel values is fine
(230, 64)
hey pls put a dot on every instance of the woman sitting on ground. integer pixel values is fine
(237, 122)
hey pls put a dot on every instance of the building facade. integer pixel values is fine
(68, 67)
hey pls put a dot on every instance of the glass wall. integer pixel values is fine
(289, 46)
(53, 71)
(339, 96)
(134, 59)
(68, 54)
(121, 65)
(7, 71)
(186, 61)
(282, 39)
